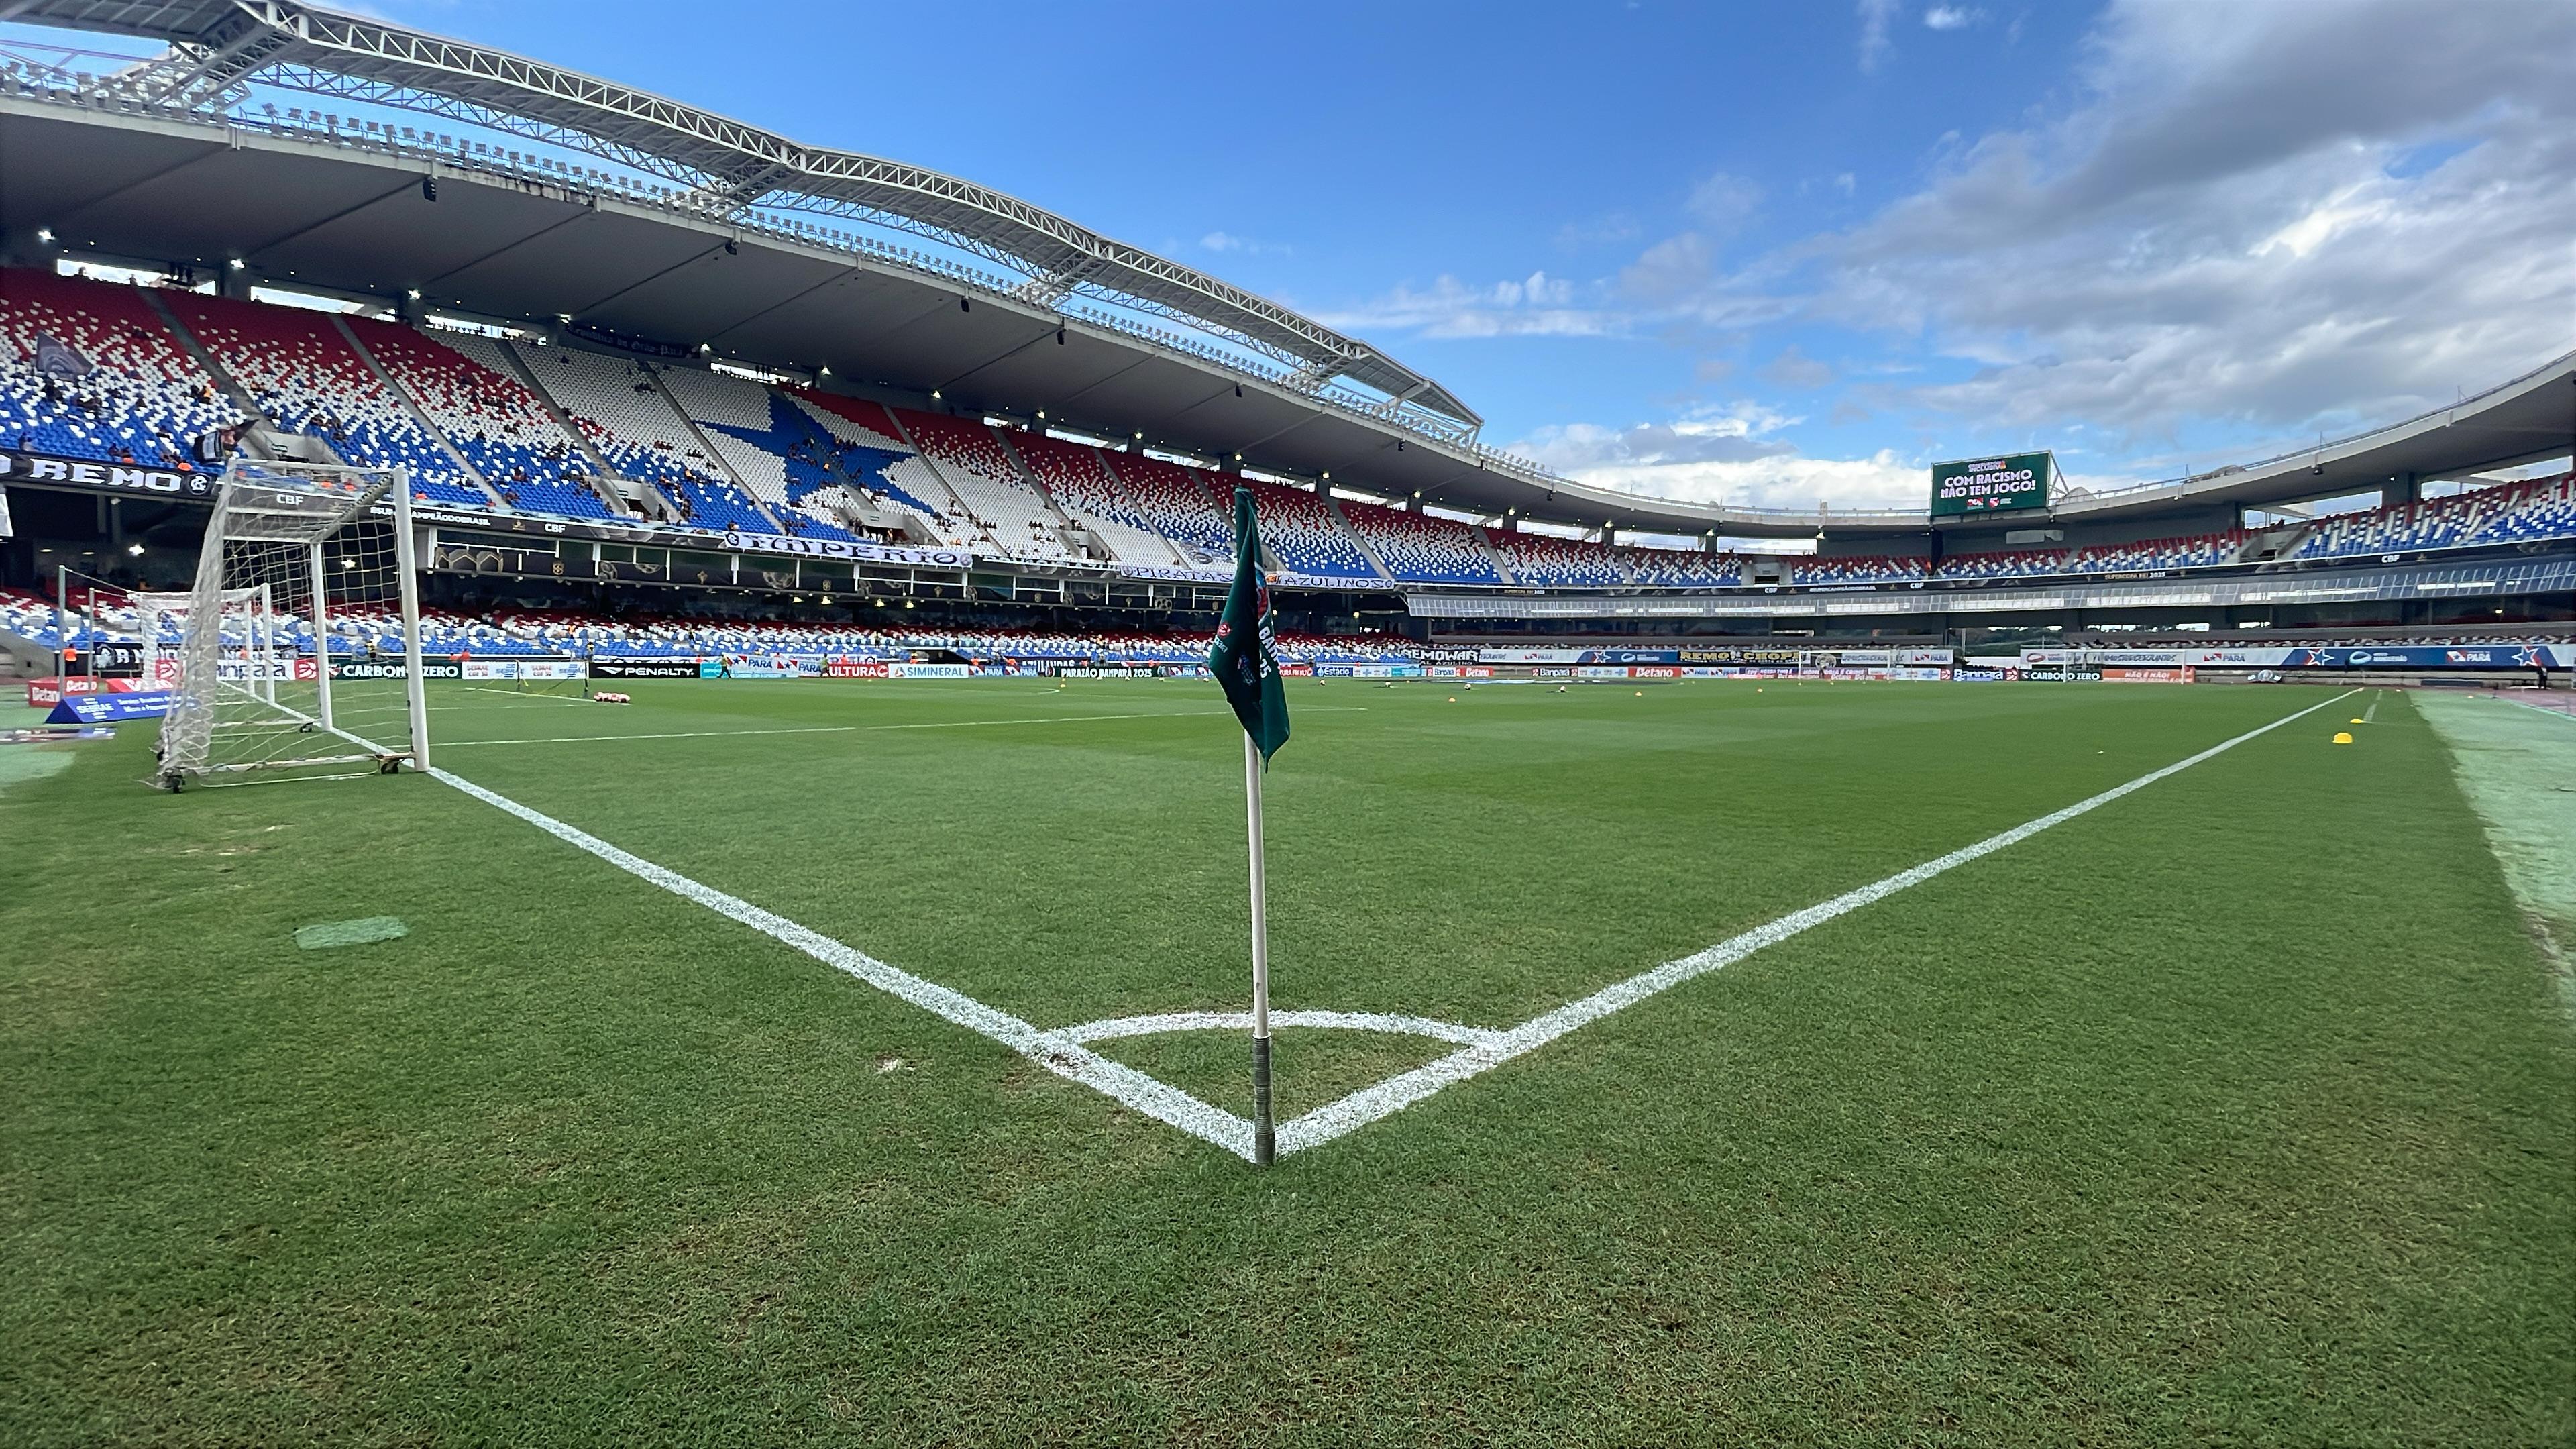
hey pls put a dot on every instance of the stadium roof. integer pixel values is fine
(166, 160)
(220, 44)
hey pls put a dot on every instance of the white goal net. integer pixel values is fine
(299, 646)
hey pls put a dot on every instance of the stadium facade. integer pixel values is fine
(624, 346)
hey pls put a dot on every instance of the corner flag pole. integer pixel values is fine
(1264, 1141)
(1244, 661)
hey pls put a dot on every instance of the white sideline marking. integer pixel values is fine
(1397, 1093)
(1066, 1058)
(673, 735)
(1063, 1052)
(1242, 1021)
(959, 724)
(527, 698)
(946, 724)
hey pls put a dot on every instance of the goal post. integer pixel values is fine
(299, 646)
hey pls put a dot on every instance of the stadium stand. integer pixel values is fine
(1078, 478)
(886, 471)
(89, 370)
(2009, 564)
(1683, 568)
(1421, 548)
(29, 618)
(624, 415)
(1810, 569)
(2545, 508)
(1546, 560)
(95, 370)
(490, 417)
(1303, 535)
(790, 461)
(300, 370)
(2505, 513)
(1197, 517)
(558, 633)
(2158, 553)
(981, 472)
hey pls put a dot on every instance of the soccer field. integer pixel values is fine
(2235, 1105)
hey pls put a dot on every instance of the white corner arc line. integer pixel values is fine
(1126, 1026)
(1397, 1093)
(1066, 1058)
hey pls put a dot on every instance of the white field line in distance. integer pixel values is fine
(1058, 1052)
(945, 724)
(516, 696)
(1397, 1093)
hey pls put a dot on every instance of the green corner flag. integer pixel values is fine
(1244, 657)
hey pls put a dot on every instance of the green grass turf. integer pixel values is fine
(2238, 1110)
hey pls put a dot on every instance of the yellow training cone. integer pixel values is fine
(2344, 738)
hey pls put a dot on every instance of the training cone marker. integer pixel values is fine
(2357, 721)
(2344, 738)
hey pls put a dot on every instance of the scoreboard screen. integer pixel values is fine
(1992, 485)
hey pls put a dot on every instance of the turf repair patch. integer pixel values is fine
(365, 932)
(2517, 766)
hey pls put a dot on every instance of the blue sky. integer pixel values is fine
(1763, 252)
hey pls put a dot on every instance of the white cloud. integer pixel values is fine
(1534, 306)
(1797, 371)
(1875, 17)
(1723, 203)
(1731, 453)
(1604, 230)
(1881, 480)
(1220, 241)
(2216, 233)
(2213, 232)
(1952, 17)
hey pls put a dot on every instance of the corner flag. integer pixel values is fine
(1244, 657)
(1245, 660)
